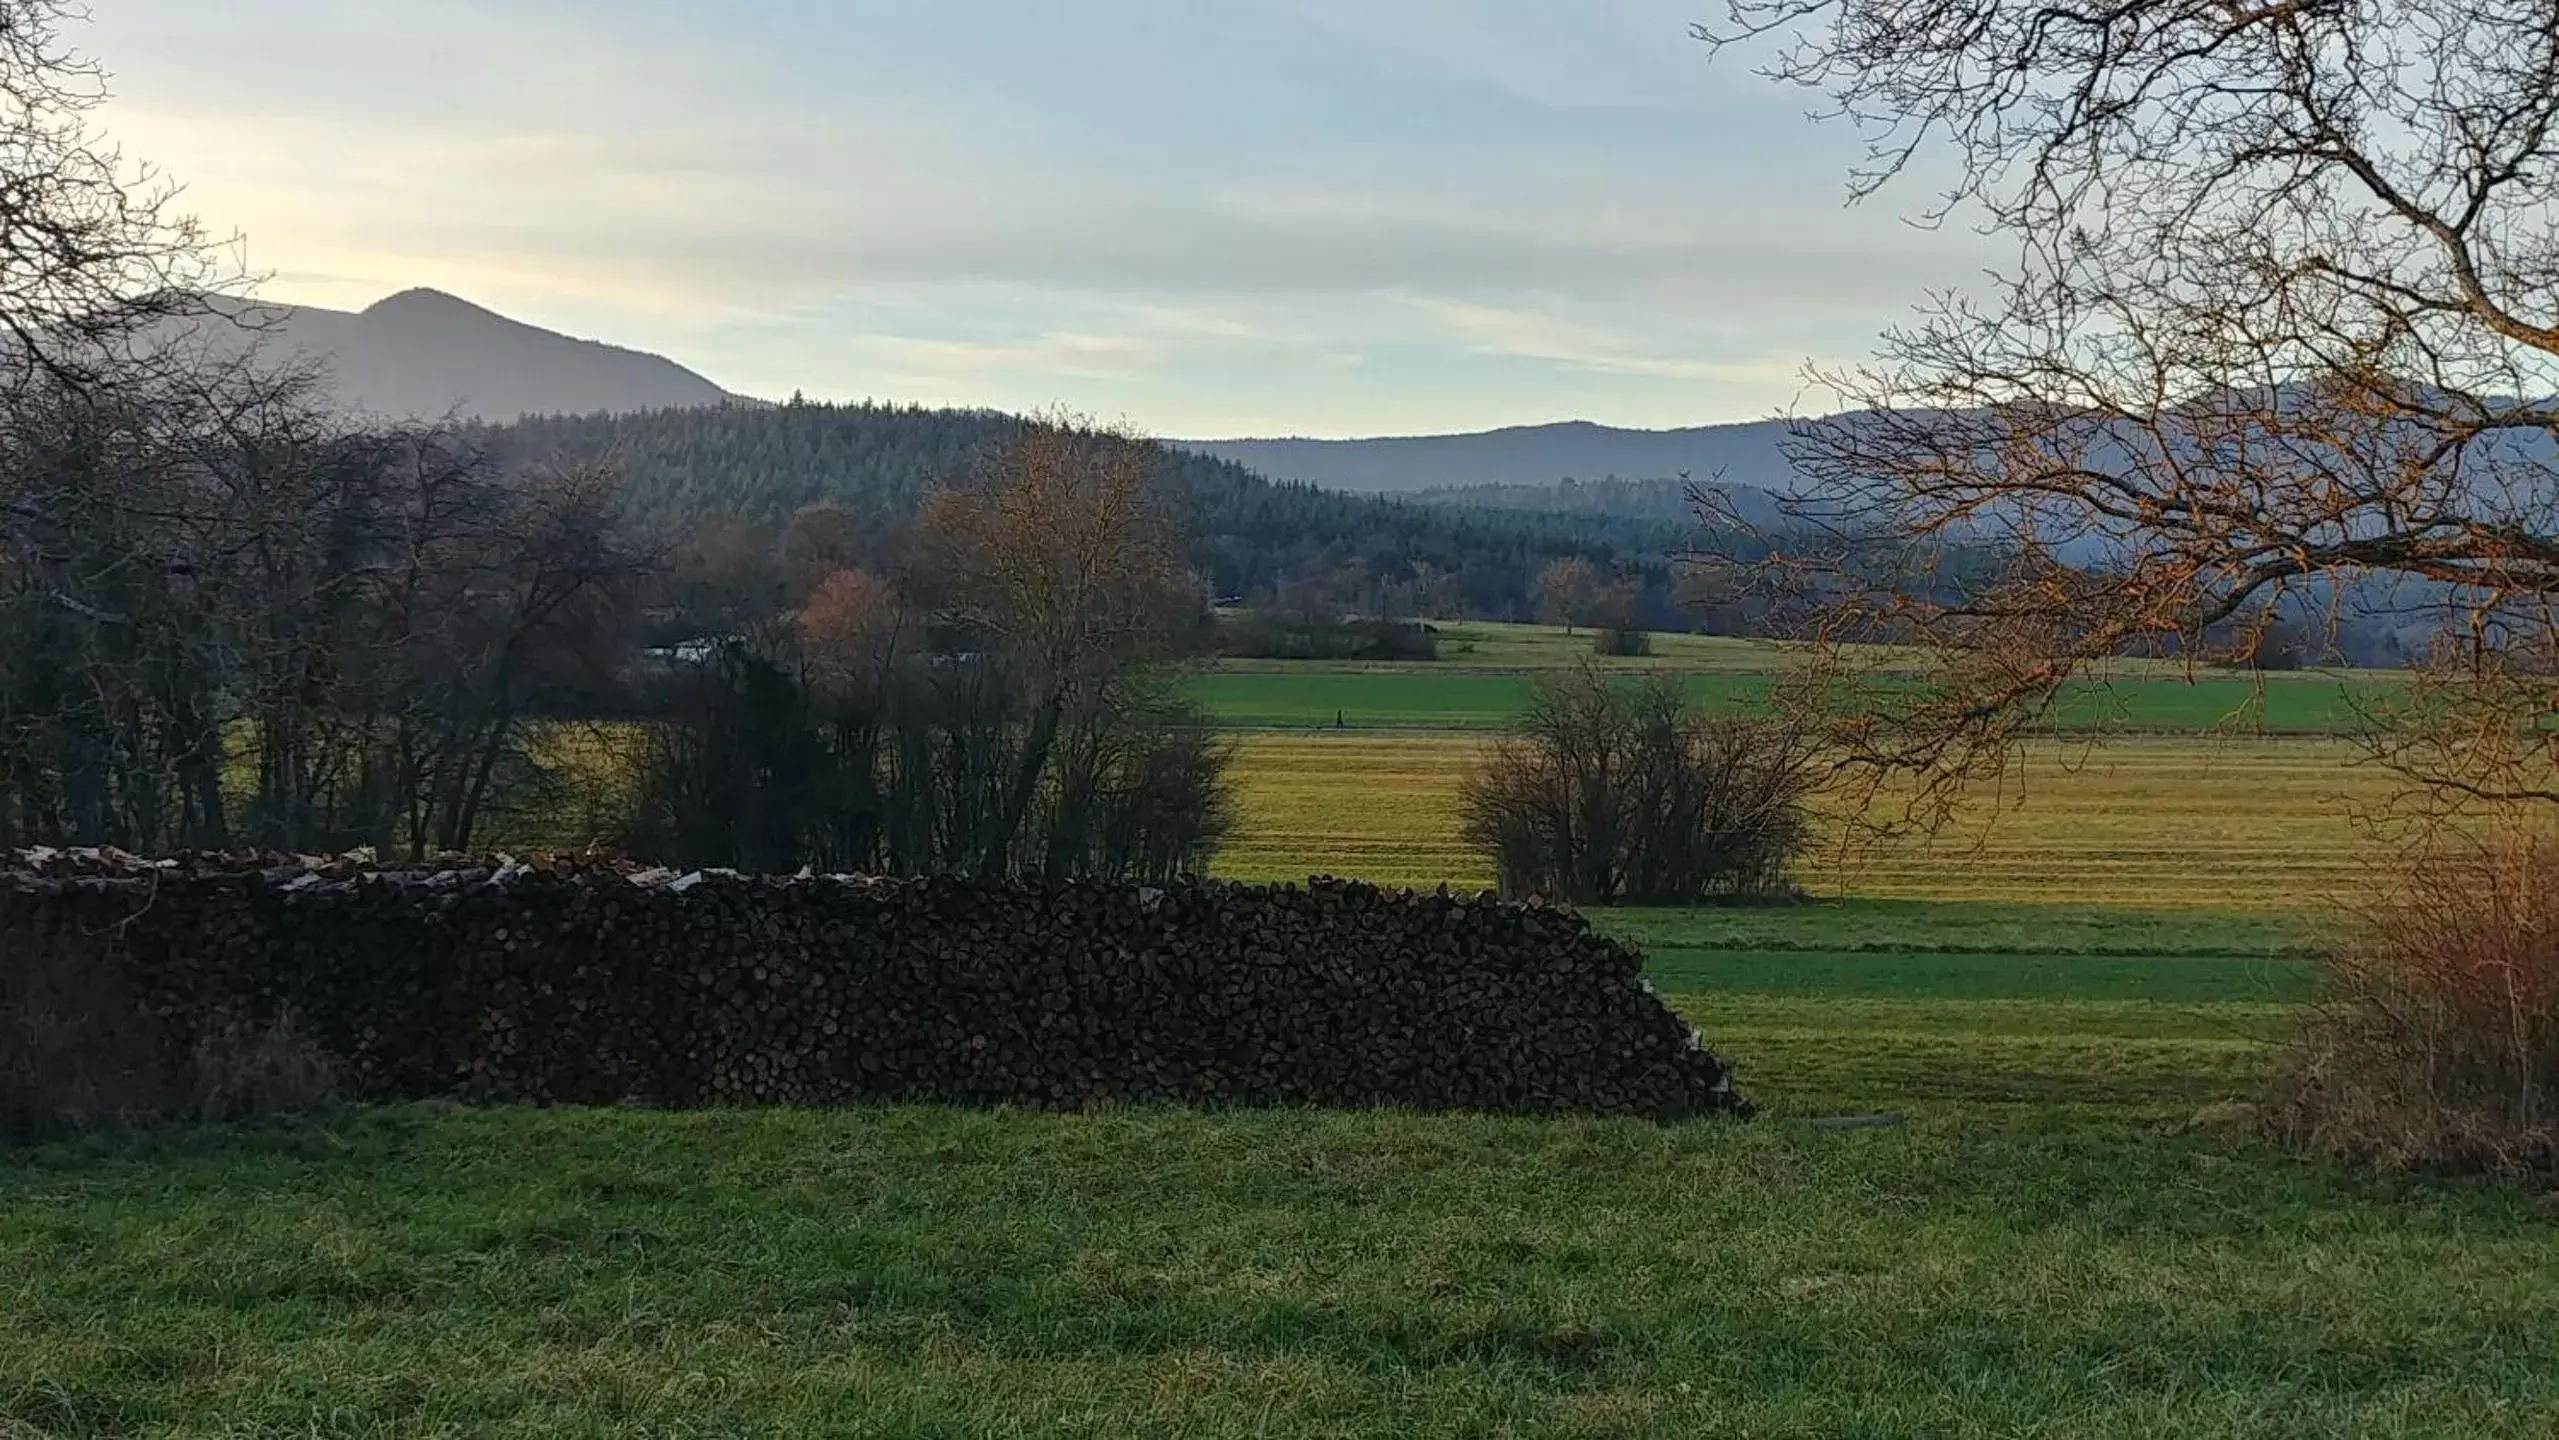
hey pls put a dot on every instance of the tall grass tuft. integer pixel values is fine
(2437, 1045)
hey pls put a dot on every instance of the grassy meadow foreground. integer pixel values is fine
(2066, 1235)
(2048, 1246)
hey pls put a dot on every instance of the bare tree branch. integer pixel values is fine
(2280, 343)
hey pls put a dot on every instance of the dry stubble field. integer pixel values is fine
(2155, 822)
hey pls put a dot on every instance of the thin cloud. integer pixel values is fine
(1408, 229)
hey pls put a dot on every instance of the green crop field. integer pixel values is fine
(1924, 927)
(1419, 698)
(1483, 678)
(2046, 1247)
(1491, 646)
(1479, 645)
(2155, 787)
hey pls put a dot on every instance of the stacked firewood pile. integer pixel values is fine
(572, 982)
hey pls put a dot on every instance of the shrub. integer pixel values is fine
(1623, 641)
(2438, 1044)
(736, 772)
(1138, 795)
(1615, 792)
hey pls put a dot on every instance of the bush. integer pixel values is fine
(1613, 792)
(735, 772)
(2438, 1045)
(1623, 641)
(1139, 796)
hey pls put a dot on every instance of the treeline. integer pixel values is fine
(230, 617)
(1254, 540)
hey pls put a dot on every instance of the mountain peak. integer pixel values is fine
(423, 353)
(420, 300)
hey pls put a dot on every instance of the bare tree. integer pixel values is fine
(1569, 593)
(96, 736)
(851, 632)
(1062, 562)
(1437, 595)
(226, 612)
(503, 602)
(93, 249)
(2280, 341)
(224, 609)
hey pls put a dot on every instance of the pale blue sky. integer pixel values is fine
(1204, 217)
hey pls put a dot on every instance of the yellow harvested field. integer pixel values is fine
(2161, 823)
(1361, 806)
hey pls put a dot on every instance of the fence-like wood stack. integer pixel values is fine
(587, 984)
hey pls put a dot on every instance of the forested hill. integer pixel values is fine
(1745, 454)
(1255, 538)
(1666, 501)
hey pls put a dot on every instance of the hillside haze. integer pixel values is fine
(423, 354)
(1746, 454)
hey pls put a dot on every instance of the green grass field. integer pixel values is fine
(1947, 952)
(1925, 927)
(1481, 645)
(2046, 1248)
(1420, 698)
(1483, 678)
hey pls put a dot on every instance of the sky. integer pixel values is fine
(1201, 218)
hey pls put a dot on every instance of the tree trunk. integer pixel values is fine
(997, 853)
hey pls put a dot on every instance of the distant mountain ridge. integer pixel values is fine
(425, 354)
(422, 354)
(1745, 454)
